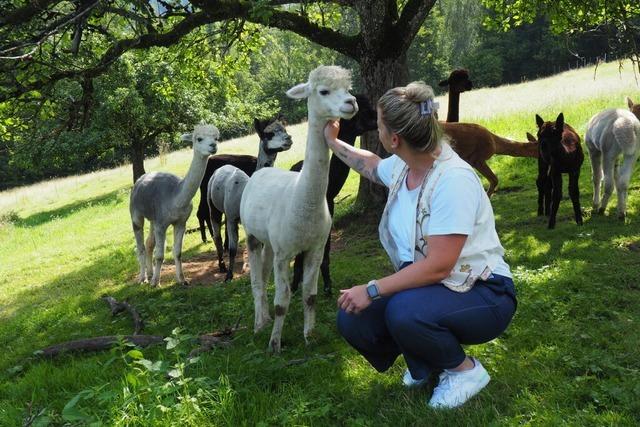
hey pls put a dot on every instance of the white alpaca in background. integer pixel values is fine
(285, 213)
(610, 133)
(165, 199)
(227, 183)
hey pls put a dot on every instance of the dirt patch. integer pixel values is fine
(203, 269)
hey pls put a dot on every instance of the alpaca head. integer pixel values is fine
(635, 108)
(204, 138)
(327, 93)
(364, 121)
(458, 81)
(273, 135)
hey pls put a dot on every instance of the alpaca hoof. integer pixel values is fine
(142, 279)
(185, 283)
(229, 276)
(222, 267)
(327, 291)
(621, 216)
(601, 211)
(274, 346)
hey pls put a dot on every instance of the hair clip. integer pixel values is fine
(428, 107)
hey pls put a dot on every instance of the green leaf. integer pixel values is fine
(135, 354)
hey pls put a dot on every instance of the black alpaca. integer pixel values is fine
(560, 152)
(245, 163)
(363, 121)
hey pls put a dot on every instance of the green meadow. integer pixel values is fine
(570, 356)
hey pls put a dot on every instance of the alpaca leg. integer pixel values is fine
(541, 183)
(596, 175)
(216, 222)
(297, 272)
(138, 231)
(574, 193)
(622, 184)
(149, 247)
(556, 196)
(281, 301)
(160, 232)
(202, 227)
(486, 171)
(232, 228)
(324, 267)
(313, 258)
(258, 286)
(608, 168)
(178, 234)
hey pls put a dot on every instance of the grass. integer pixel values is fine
(568, 358)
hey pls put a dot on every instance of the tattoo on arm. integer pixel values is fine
(358, 163)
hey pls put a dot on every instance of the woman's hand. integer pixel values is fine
(354, 300)
(331, 130)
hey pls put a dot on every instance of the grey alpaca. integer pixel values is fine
(225, 187)
(165, 199)
(612, 133)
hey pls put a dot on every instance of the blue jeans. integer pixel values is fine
(427, 325)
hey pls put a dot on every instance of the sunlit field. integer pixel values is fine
(568, 358)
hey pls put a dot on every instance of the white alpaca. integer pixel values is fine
(610, 133)
(285, 213)
(165, 199)
(227, 183)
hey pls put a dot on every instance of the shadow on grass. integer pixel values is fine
(40, 218)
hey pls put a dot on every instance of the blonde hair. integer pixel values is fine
(402, 114)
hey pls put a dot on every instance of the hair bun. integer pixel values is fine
(418, 92)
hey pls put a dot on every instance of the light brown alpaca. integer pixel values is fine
(476, 144)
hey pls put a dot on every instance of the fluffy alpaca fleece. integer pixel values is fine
(285, 213)
(165, 199)
(612, 133)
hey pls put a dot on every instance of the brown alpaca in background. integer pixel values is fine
(475, 144)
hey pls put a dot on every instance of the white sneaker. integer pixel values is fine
(410, 382)
(455, 388)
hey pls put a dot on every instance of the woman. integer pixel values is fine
(451, 284)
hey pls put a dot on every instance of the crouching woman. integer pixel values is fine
(451, 286)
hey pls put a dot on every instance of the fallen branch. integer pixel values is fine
(117, 307)
(98, 344)
(293, 362)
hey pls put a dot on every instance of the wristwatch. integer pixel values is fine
(373, 291)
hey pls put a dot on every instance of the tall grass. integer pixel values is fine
(569, 357)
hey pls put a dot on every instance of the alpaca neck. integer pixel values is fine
(265, 160)
(454, 106)
(314, 177)
(192, 180)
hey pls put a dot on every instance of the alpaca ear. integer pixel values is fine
(560, 122)
(629, 103)
(531, 138)
(444, 83)
(186, 137)
(539, 121)
(301, 91)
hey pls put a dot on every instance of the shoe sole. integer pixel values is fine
(484, 381)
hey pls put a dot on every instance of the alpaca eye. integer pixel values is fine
(324, 92)
(199, 139)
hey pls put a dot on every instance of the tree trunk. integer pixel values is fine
(137, 158)
(379, 75)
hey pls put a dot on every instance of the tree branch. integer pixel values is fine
(284, 20)
(412, 17)
(23, 14)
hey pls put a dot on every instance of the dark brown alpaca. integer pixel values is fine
(457, 82)
(475, 144)
(560, 152)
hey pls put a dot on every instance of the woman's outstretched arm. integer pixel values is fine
(362, 161)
